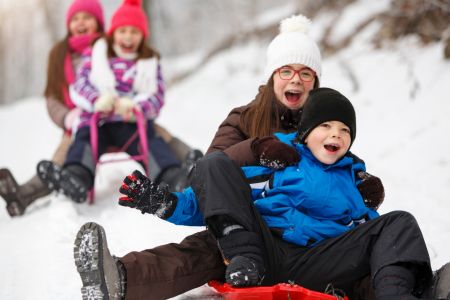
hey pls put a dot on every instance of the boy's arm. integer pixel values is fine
(148, 197)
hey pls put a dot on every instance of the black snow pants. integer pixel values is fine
(343, 261)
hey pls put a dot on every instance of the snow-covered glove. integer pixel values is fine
(371, 189)
(72, 117)
(124, 108)
(272, 153)
(146, 196)
(104, 103)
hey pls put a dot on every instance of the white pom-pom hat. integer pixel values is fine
(293, 45)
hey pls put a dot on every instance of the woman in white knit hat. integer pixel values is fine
(245, 137)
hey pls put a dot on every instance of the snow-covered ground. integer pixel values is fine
(400, 93)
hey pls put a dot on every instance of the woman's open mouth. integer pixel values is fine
(293, 96)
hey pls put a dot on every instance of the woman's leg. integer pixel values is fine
(159, 273)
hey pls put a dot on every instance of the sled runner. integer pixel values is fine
(140, 133)
(281, 291)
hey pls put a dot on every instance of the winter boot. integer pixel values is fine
(439, 287)
(242, 251)
(243, 271)
(191, 158)
(9, 190)
(19, 197)
(103, 276)
(177, 177)
(73, 181)
(394, 282)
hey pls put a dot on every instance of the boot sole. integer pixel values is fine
(8, 190)
(88, 257)
(56, 178)
(93, 260)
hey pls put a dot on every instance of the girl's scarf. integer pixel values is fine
(76, 44)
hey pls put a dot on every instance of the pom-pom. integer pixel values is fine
(297, 23)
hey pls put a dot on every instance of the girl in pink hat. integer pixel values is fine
(122, 73)
(84, 23)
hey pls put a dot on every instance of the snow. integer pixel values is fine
(400, 93)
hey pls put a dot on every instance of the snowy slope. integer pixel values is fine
(401, 97)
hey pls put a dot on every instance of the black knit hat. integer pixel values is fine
(323, 105)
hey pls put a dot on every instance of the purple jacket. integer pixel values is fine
(125, 72)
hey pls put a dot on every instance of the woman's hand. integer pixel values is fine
(272, 153)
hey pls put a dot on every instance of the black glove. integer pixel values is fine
(272, 153)
(371, 189)
(145, 195)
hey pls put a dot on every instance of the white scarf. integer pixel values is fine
(102, 77)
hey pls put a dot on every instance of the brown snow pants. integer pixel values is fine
(169, 270)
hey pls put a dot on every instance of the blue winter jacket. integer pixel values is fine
(307, 202)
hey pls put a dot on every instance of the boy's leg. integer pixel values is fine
(224, 199)
(393, 239)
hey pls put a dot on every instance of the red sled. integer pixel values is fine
(281, 291)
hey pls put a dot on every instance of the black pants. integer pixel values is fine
(392, 238)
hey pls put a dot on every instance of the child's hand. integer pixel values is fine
(124, 107)
(371, 189)
(272, 153)
(145, 195)
(104, 103)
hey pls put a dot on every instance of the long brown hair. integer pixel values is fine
(262, 117)
(56, 79)
(144, 50)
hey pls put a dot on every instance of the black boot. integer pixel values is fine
(243, 271)
(439, 287)
(242, 250)
(177, 177)
(394, 282)
(73, 181)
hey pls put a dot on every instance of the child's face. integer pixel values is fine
(293, 92)
(128, 38)
(329, 141)
(82, 23)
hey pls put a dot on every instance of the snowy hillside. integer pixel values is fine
(400, 93)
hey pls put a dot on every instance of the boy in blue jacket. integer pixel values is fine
(305, 223)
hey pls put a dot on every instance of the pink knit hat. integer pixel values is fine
(90, 6)
(130, 13)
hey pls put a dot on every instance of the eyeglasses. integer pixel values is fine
(305, 74)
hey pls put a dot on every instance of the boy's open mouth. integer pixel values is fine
(332, 147)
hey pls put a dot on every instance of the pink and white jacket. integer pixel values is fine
(140, 80)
